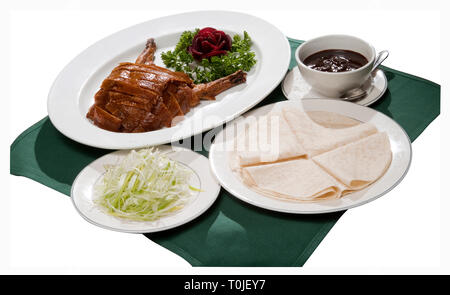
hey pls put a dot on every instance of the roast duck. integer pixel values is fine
(141, 96)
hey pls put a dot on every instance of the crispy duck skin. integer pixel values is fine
(141, 96)
(105, 119)
(159, 72)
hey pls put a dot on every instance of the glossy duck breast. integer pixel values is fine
(141, 96)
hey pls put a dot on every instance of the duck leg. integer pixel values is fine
(148, 55)
(208, 91)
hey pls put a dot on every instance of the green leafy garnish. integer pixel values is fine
(240, 57)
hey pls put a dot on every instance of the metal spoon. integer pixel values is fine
(358, 93)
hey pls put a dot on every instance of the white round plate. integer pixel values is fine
(401, 158)
(82, 193)
(73, 90)
(295, 87)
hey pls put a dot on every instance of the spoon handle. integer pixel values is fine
(382, 55)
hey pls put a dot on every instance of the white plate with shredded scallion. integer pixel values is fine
(145, 190)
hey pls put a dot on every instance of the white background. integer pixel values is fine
(406, 231)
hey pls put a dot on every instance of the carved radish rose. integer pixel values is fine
(209, 42)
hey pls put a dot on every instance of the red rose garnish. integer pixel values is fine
(209, 42)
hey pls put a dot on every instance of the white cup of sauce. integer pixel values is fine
(335, 84)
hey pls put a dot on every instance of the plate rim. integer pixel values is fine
(174, 135)
(211, 202)
(312, 212)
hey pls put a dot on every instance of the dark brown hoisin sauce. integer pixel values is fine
(335, 60)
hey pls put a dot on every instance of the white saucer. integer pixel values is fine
(294, 87)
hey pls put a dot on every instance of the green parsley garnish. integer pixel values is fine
(240, 57)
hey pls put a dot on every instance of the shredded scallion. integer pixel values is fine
(145, 186)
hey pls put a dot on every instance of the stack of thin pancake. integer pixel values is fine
(287, 154)
(141, 97)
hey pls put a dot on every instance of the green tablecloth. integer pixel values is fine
(231, 232)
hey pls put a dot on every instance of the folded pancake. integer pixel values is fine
(294, 180)
(266, 139)
(332, 120)
(359, 163)
(298, 156)
(316, 139)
